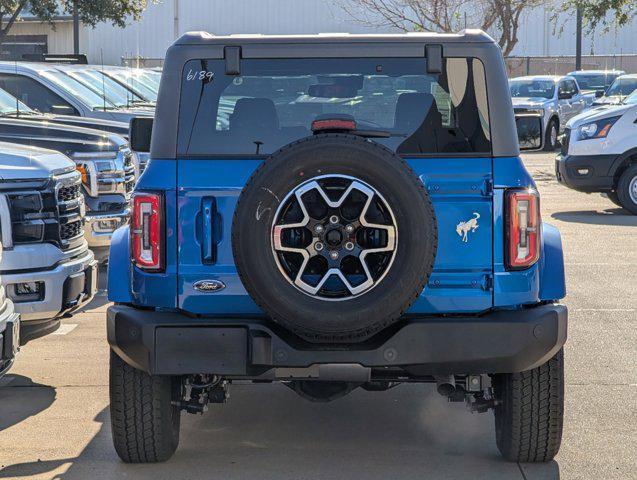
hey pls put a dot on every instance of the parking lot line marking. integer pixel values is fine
(605, 309)
(66, 328)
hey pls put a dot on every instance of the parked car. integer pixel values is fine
(599, 153)
(623, 86)
(557, 99)
(119, 95)
(47, 268)
(143, 82)
(43, 87)
(9, 328)
(595, 81)
(107, 164)
(285, 241)
(14, 108)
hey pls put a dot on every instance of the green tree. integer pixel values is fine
(90, 12)
(603, 12)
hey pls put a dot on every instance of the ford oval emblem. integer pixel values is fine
(209, 286)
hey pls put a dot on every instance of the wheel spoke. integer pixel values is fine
(340, 245)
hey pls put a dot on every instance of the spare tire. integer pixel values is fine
(334, 237)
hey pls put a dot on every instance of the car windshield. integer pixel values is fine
(594, 81)
(532, 88)
(142, 82)
(78, 90)
(100, 83)
(622, 86)
(275, 102)
(631, 99)
(9, 104)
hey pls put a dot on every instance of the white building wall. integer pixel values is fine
(163, 22)
(540, 35)
(59, 40)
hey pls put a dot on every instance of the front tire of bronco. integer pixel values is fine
(530, 412)
(144, 422)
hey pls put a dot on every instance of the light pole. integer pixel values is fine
(76, 28)
(578, 39)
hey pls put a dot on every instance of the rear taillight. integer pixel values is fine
(146, 231)
(523, 228)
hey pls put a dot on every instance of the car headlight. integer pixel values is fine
(90, 166)
(597, 129)
(533, 112)
(536, 111)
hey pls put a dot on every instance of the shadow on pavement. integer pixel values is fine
(20, 399)
(268, 432)
(611, 216)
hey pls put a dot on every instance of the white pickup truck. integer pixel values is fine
(9, 330)
(556, 99)
(47, 269)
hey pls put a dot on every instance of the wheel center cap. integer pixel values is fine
(333, 237)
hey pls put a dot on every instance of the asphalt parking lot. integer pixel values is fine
(54, 420)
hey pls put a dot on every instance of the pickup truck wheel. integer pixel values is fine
(334, 237)
(144, 422)
(550, 141)
(627, 189)
(529, 415)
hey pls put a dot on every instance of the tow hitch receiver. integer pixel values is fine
(200, 390)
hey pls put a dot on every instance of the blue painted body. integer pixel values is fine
(468, 277)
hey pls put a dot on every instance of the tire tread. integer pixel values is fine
(530, 415)
(142, 417)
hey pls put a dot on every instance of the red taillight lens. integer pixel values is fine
(523, 228)
(146, 231)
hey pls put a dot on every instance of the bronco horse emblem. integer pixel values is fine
(463, 228)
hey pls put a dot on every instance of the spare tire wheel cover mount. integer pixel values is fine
(349, 233)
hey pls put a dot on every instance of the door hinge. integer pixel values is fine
(487, 187)
(232, 56)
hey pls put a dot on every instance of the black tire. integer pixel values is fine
(627, 181)
(352, 319)
(612, 196)
(529, 417)
(550, 140)
(144, 423)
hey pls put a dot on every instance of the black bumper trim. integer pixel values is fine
(172, 343)
(597, 179)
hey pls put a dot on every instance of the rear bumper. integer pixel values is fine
(585, 173)
(171, 343)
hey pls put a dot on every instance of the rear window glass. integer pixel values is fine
(274, 102)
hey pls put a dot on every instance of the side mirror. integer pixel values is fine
(139, 133)
(564, 95)
(599, 93)
(530, 132)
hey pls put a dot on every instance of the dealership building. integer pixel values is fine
(164, 21)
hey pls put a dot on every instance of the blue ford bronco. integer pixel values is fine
(333, 212)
